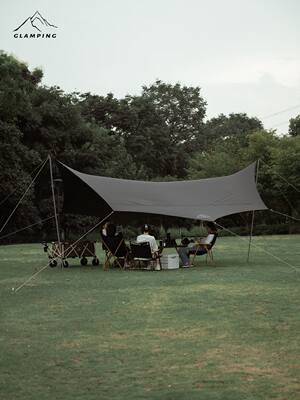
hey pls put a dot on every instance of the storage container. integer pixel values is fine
(170, 261)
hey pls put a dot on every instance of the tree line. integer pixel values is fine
(160, 134)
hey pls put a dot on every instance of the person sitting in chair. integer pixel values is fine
(110, 230)
(146, 237)
(184, 252)
(104, 228)
(113, 244)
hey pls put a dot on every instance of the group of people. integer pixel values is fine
(109, 232)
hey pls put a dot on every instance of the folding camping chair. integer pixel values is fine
(115, 250)
(203, 248)
(141, 252)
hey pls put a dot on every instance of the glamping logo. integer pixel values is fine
(35, 27)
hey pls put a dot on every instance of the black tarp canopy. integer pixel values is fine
(203, 199)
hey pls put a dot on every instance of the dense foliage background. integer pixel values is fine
(159, 135)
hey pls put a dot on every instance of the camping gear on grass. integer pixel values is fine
(170, 261)
(81, 249)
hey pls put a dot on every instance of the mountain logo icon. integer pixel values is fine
(37, 21)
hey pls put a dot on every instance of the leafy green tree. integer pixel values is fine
(286, 169)
(17, 84)
(106, 111)
(148, 140)
(181, 108)
(36, 121)
(15, 180)
(235, 126)
(229, 156)
(278, 171)
(222, 159)
(160, 127)
(179, 111)
(261, 147)
(294, 126)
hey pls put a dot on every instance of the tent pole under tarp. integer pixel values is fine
(252, 220)
(55, 213)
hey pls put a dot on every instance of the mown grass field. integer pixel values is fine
(228, 331)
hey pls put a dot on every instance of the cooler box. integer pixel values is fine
(170, 261)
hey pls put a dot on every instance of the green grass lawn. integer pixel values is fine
(228, 331)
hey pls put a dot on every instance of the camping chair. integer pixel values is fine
(115, 250)
(202, 248)
(141, 252)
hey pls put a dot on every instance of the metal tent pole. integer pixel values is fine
(55, 213)
(252, 220)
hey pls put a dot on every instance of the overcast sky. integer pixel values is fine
(244, 54)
